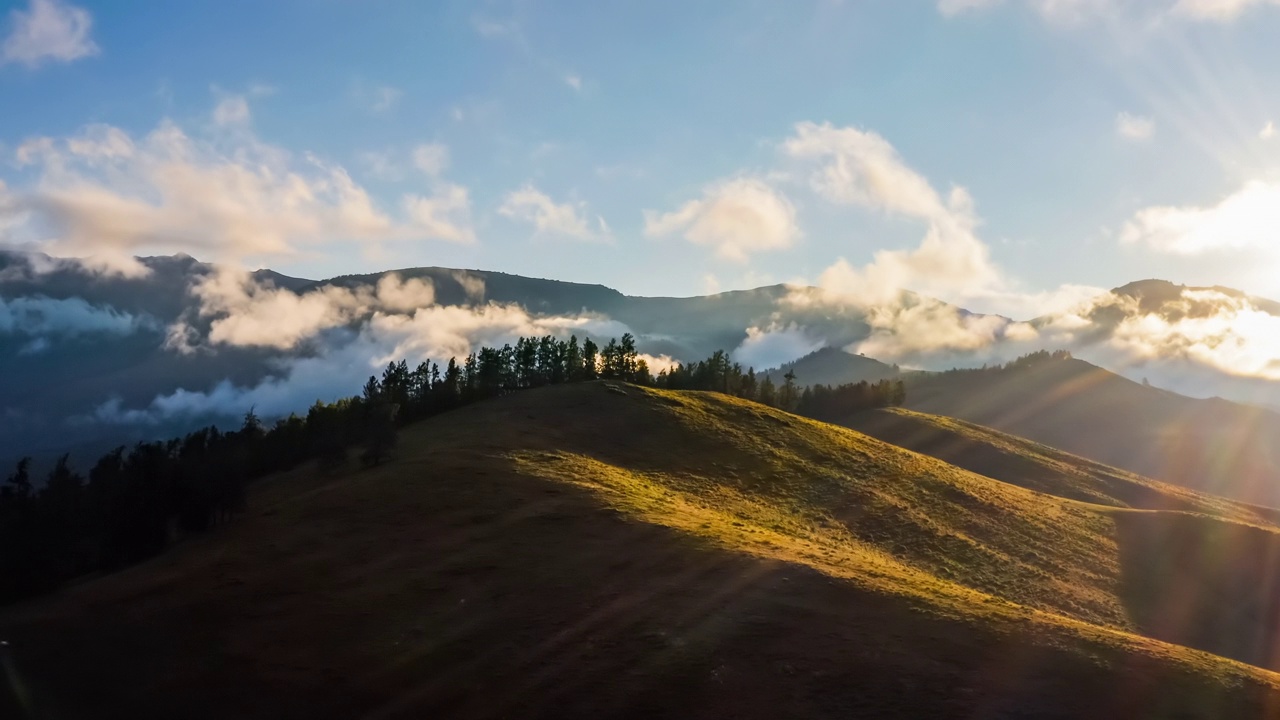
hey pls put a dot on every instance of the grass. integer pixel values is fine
(1039, 467)
(576, 552)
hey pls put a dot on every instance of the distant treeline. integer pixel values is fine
(823, 402)
(1030, 360)
(137, 501)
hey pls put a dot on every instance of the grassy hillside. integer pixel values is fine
(587, 551)
(1212, 445)
(1029, 464)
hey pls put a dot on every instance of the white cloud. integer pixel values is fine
(1065, 12)
(1268, 131)
(1017, 304)
(380, 165)
(659, 363)
(245, 313)
(858, 167)
(736, 217)
(710, 284)
(1190, 339)
(573, 81)
(771, 346)
(48, 30)
(955, 7)
(231, 110)
(106, 194)
(1217, 10)
(385, 98)
(1075, 11)
(337, 367)
(431, 158)
(65, 317)
(528, 204)
(926, 327)
(1135, 127)
(443, 215)
(1236, 338)
(1249, 218)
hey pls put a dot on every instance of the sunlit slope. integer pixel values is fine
(850, 505)
(1039, 467)
(582, 551)
(1211, 445)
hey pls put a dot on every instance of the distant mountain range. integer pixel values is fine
(95, 360)
(1211, 445)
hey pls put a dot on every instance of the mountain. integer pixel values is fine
(1200, 341)
(97, 351)
(831, 366)
(1211, 445)
(600, 550)
(107, 359)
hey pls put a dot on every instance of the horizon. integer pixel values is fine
(932, 184)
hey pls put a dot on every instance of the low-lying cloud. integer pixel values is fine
(246, 313)
(67, 317)
(356, 332)
(774, 345)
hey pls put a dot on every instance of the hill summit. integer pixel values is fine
(833, 366)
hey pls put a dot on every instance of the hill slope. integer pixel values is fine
(1029, 464)
(832, 366)
(1213, 445)
(582, 551)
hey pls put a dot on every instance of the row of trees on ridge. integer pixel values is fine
(135, 502)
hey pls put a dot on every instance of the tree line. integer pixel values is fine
(135, 502)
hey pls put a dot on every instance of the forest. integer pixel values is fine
(133, 503)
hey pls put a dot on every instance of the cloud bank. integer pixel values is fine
(335, 337)
(229, 198)
(69, 317)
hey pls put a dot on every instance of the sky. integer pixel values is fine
(1010, 156)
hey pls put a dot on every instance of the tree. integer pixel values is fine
(252, 425)
(372, 391)
(380, 433)
(19, 482)
(590, 360)
(768, 394)
(787, 398)
(573, 360)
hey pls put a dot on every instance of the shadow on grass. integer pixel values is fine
(1203, 583)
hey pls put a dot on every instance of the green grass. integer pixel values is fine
(580, 552)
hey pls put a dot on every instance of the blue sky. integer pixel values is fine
(655, 146)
